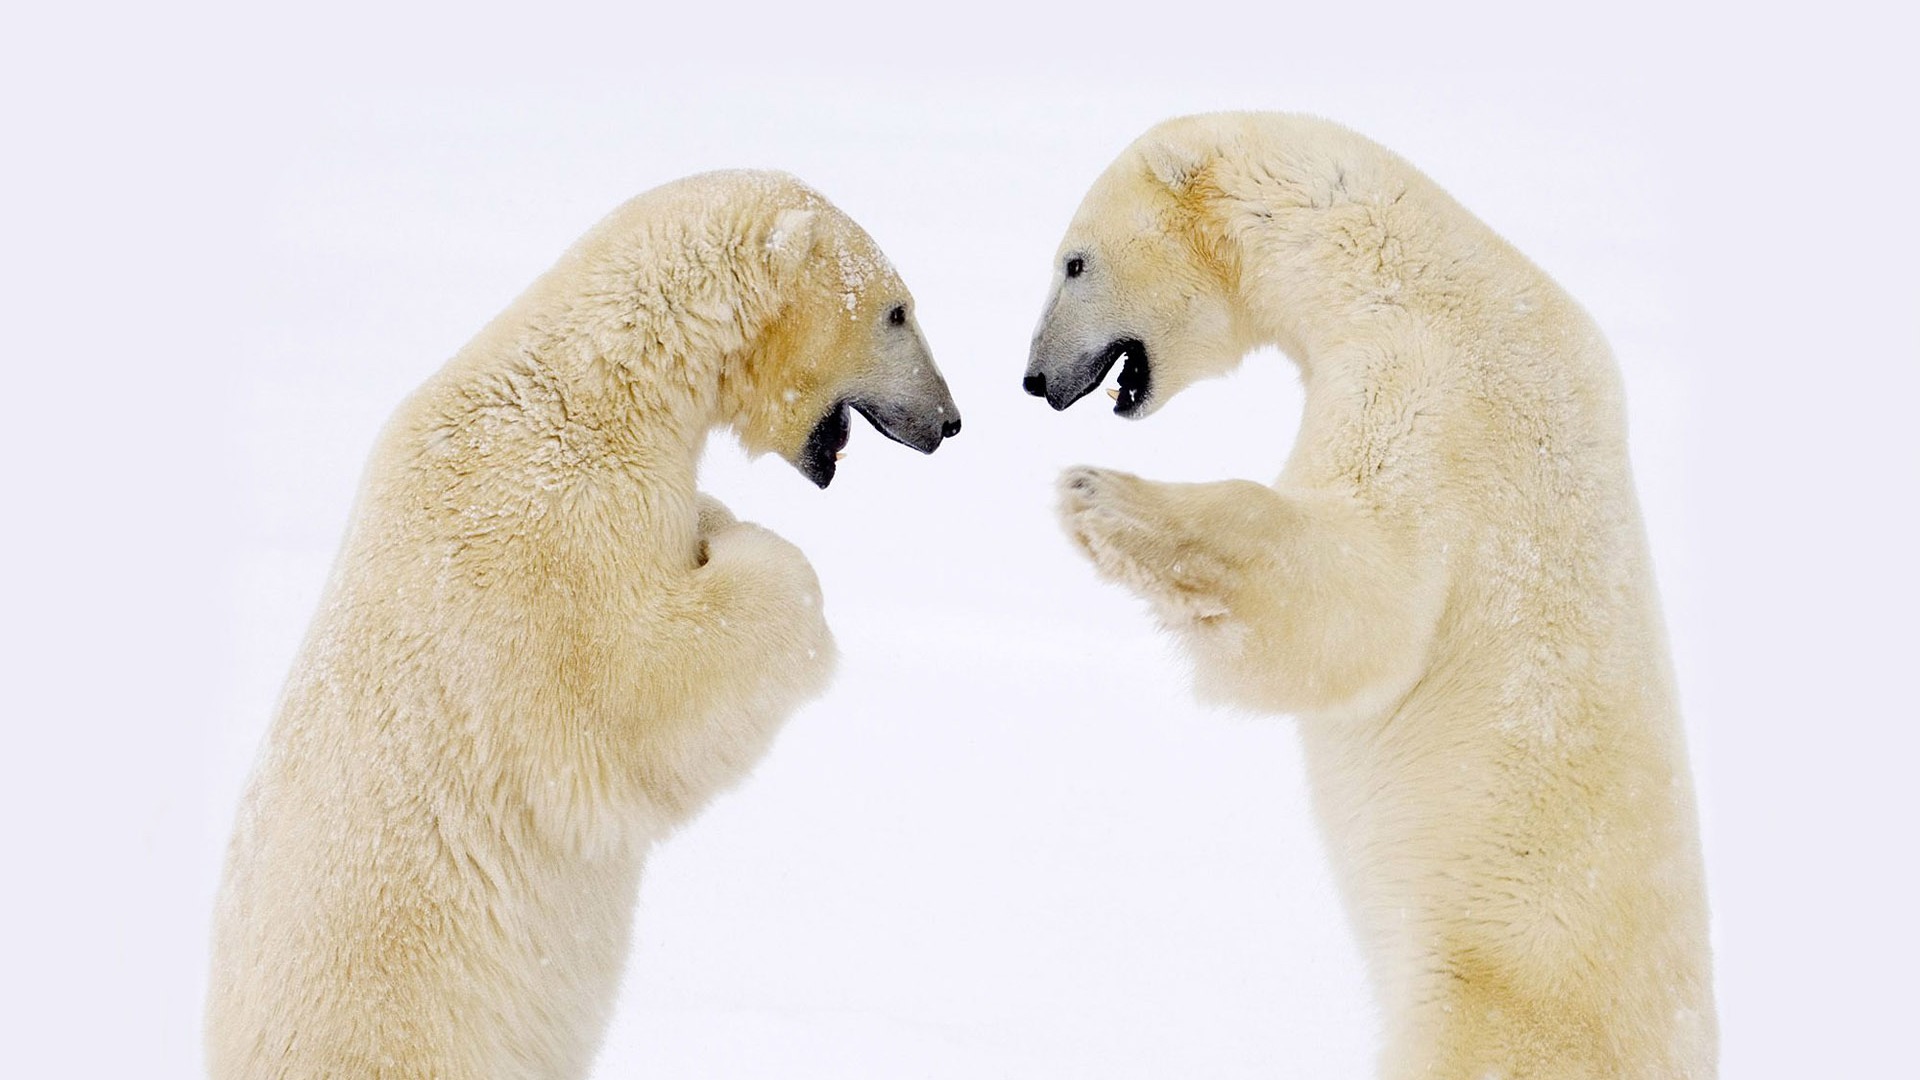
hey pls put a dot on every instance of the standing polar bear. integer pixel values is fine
(541, 649)
(1449, 584)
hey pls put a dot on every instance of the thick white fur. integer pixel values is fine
(1449, 586)
(540, 650)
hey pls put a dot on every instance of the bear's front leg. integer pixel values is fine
(742, 643)
(754, 611)
(1153, 538)
(1290, 601)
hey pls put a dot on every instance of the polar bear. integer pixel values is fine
(1448, 584)
(540, 649)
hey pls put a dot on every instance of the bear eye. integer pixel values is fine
(898, 316)
(1076, 266)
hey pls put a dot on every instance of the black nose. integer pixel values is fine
(951, 428)
(1036, 384)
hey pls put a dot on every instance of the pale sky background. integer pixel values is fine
(1006, 843)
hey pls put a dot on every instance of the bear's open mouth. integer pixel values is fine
(821, 455)
(903, 424)
(1136, 378)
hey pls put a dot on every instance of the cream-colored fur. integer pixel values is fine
(541, 649)
(1449, 585)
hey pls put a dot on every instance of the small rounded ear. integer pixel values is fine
(1175, 158)
(790, 241)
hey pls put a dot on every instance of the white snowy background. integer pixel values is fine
(1006, 843)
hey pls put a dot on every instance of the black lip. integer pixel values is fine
(900, 427)
(820, 456)
(1136, 377)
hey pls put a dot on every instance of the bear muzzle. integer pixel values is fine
(922, 417)
(1065, 375)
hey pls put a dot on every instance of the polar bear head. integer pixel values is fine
(839, 337)
(1142, 280)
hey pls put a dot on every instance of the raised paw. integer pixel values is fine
(713, 517)
(1095, 511)
(1134, 533)
(759, 558)
(714, 514)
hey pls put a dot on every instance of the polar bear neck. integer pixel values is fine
(655, 309)
(594, 391)
(1331, 239)
(533, 441)
(1383, 288)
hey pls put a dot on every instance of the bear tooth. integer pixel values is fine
(839, 454)
(1112, 393)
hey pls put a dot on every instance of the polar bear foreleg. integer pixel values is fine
(743, 642)
(1290, 601)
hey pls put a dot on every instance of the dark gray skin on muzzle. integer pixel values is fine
(905, 398)
(1072, 352)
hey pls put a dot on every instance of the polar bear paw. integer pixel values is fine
(761, 562)
(714, 515)
(713, 518)
(1133, 533)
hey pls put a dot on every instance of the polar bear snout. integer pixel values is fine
(919, 423)
(903, 395)
(922, 421)
(1065, 375)
(908, 400)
